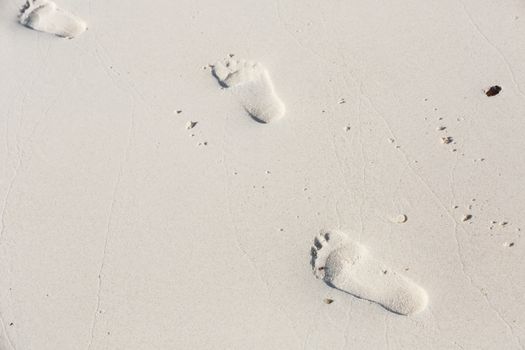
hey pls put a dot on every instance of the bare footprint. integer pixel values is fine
(348, 266)
(46, 16)
(251, 82)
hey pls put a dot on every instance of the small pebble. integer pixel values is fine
(446, 140)
(402, 218)
(191, 125)
(493, 91)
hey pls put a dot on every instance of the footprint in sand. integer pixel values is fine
(251, 83)
(348, 266)
(46, 16)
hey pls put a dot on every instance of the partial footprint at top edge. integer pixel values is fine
(251, 82)
(348, 266)
(46, 16)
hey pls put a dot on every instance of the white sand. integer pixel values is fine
(201, 237)
(348, 266)
(46, 16)
(250, 82)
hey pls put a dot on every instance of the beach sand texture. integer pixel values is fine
(167, 169)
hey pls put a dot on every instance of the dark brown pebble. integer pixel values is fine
(493, 91)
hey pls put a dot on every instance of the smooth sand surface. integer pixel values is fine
(120, 228)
